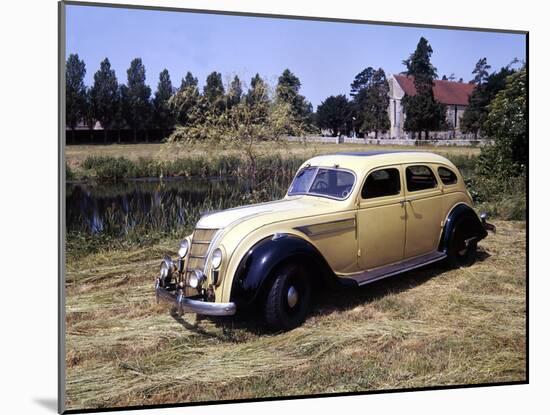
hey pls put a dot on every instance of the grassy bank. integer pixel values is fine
(425, 328)
(76, 154)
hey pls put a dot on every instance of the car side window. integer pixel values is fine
(420, 178)
(383, 182)
(447, 176)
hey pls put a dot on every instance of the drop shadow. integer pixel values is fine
(48, 403)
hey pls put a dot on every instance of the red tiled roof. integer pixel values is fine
(446, 92)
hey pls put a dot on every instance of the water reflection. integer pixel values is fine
(119, 208)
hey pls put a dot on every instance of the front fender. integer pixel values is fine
(256, 268)
(465, 214)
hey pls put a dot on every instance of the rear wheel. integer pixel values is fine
(462, 248)
(288, 299)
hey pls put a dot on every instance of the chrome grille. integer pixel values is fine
(200, 242)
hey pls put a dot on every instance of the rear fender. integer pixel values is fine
(467, 217)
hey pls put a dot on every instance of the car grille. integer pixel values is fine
(197, 254)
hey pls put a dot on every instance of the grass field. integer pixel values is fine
(425, 328)
(76, 154)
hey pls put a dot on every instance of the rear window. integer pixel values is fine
(447, 176)
(420, 178)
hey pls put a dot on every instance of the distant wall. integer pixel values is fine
(396, 142)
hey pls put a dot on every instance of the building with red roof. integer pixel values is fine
(454, 95)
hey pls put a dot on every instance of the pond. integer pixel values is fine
(155, 205)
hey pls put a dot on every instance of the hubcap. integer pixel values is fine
(292, 297)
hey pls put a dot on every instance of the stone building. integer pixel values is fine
(453, 94)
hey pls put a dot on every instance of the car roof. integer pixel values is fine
(360, 162)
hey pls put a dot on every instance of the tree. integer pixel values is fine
(185, 102)
(104, 96)
(214, 92)
(136, 98)
(334, 113)
(235, 92)
(506, 124)
(481, 71)
(189, 81)
(257, 98)
(370, 103)
(287, 92)
(423, 112)
(444, 78)
(361, 81)
(476, 111)
(75, 70)
(163, 114)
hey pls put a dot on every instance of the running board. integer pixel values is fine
(387, 271)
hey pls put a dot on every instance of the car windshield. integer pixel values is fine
(322, 181)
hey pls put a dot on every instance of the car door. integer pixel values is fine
(423, 196)
(381, 218)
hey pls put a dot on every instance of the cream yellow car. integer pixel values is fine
(348, 218)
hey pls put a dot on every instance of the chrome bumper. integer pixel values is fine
(183, 303)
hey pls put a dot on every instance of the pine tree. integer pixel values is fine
(137, 98)
(163, 114)
(481, 71)
(75, 70)
(287, 92)
(213, 92)
(235, 92)
(104, 96)
(423, 112)
(189, 81)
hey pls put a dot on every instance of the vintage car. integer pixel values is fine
(348, 218)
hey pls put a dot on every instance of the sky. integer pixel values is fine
(325, 56)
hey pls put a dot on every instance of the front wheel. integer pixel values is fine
(288, 299)
(462, 250)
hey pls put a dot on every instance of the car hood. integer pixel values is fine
(290, 208)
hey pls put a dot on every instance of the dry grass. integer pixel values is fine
(76, 154)
(425, 328)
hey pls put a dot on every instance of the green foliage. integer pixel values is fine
(287, 96)
(214, 92)
(476, 112)
(135, 97)
(163, 114)
(235, 93)
(335, 113)
(506, 124)
(104, 95)
(423, 112)
(370, 92)
(76, 100)
(189, 81)
(481, 71)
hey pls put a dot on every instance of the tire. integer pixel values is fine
(288, 299)
(460, 254)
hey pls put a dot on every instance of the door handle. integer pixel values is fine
(405, 201)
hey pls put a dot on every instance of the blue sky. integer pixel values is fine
(326, 56)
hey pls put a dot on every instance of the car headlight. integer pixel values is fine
(184, 248)
(196, 279)
(217, 257)
(166, 267)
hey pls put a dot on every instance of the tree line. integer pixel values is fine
(282, 109)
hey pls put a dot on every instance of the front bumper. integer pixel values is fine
(183, 303)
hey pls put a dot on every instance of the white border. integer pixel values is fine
(29, 208)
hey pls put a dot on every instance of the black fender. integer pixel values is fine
(255, 270)
(468, 218)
